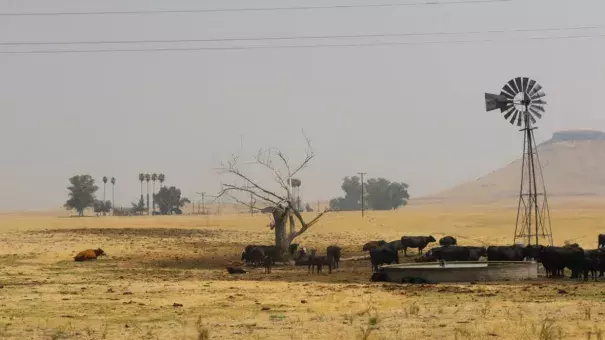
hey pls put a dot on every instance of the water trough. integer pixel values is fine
(472, 271)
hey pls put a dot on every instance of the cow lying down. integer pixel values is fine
(89, 254)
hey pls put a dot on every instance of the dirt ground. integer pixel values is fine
(165, 278)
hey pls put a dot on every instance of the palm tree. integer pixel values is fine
(154, 178)
(104, 187)
(147, 179)
(161, 178)
(141, 179)
(113, 190)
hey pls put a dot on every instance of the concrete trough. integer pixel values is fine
(472, 271)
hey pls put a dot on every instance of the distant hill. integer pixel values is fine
(573, 165)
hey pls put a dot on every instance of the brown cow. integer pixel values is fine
(89, 254)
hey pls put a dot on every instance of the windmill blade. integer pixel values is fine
(512, 120)
(538, 95)
(506, 94)
(531, 85)
(537, 107)
(533, 120)
(525, 83)
(494, 101)
(510, 112)
(539, 102)
(508, 91)
(536, 89)
(535, 113)
(521, 114)
(519, 84)
(511, 83)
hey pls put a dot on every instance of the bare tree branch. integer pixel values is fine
(305, 226)
(308, 157)
(232, 169)
(228, 188)
(268, 163)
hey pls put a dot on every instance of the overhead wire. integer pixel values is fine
(259, 47)
(250, 9)
(315, 37)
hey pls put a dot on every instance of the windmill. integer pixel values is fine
(521, 101)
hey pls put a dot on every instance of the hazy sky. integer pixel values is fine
(409, 112)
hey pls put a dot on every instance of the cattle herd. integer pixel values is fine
(582, 263)
(257, 255)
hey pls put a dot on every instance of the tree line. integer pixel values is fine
(82, 195)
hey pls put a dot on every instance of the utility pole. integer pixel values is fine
(362, 199)
(251, 205)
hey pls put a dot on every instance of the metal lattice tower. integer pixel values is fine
(521, 103)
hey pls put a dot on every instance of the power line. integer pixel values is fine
(251, 9)
(260, 47)
(316, 37)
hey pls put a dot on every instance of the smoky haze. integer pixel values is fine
(408, 112)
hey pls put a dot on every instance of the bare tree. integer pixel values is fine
(282, 205)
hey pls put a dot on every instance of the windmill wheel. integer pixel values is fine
(520, 100)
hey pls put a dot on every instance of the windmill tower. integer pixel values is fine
(521, 102)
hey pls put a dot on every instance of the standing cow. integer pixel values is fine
(383, 255)
(419, 242)
(334, 253)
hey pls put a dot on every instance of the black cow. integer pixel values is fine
(373, 245)
(448, 241)
(267, 262)
(601, 240)
(270, 251)
(234, 270)
(449, 253)
(383, 255)
(292, 248)
(556, 259)
(380, 276)
(334, 252)
(506, 253)
(320, 261)
(419, 242)
(394, 245)
(475, 253)
(453, 253)
(300, 253)
(257, 256)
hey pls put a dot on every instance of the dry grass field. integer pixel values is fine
(157, 262)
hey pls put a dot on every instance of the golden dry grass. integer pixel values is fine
(159, 261)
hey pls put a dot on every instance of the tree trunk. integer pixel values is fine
(292, 225)
(153, 198)
(281, 236)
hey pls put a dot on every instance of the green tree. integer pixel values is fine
(383, 194)
(101, 207)
(352, 199)
(81, 193)
(161, 178)
(139, 208)
(169, 200)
